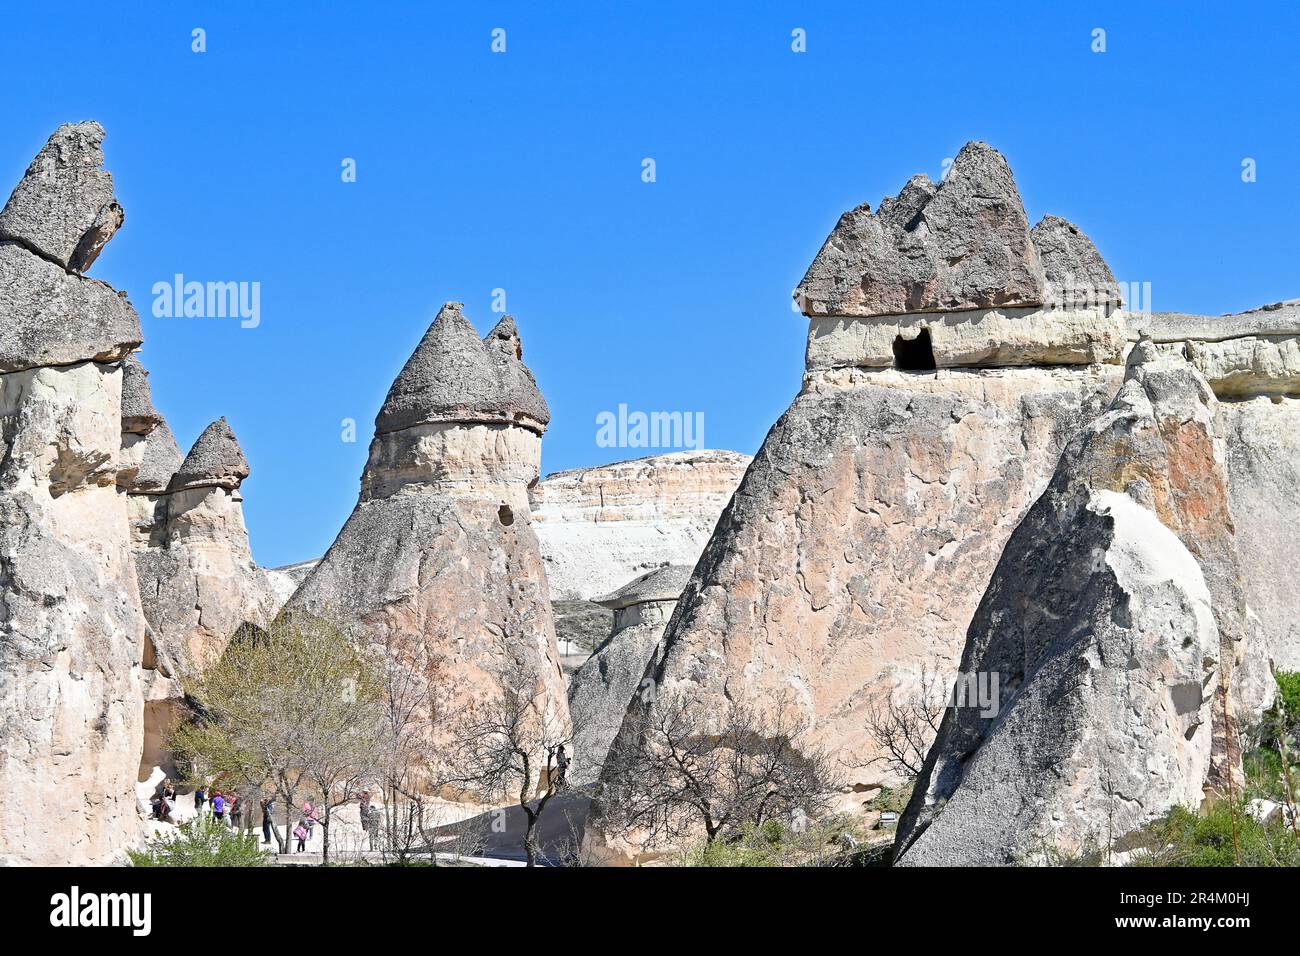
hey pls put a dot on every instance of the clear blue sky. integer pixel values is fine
(523, 171)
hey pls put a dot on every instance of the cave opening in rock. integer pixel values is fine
(505, 515)
(914, 355)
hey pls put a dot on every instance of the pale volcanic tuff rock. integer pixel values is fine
(439, 553)
(71, 630)
(1276, 319)
(1251, 360)
(63, 210)
(857, 546)
(198, 581)
(1242, 354)
(600, 527)
(1114, 622)
(599, 692)
(1263, 448)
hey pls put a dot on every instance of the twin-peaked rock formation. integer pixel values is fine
(72, 631)
(439, 557)
(953, 355)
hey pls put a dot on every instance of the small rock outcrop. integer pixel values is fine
(72, 632)
(1109, 635)
(600, 527)
(599, 692)
(439, 555)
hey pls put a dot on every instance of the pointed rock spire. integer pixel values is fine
(63, 209)
(963, 244)
(524, 401)
(162, 459)
(215, 459)
(138, 414)
(1077, 276)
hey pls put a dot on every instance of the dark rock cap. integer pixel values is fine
(63, 209)
(1076, 273)
(51, 317)
(524, 401)
(215, 459)
(454, 376)
(661, 584)
(963, 244)
(138, 414)
(162, 458)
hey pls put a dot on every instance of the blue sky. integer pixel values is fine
(522, 171)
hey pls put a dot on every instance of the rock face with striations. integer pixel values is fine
(600, 527)
(1112, 627)
(858, 545)
(600, 690)
(440, 553)
(71, 629)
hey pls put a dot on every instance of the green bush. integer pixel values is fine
(1288, 697)
(203, 841)
(773, 844)
(894, 798)
(1185, 838)
(1263, 768)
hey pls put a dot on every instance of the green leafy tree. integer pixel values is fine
(292, 710)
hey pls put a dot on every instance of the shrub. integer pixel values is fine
(203, 841)
(1288, 697)
(1186, 838)
(772, 844)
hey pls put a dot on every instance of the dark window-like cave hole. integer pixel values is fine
(914, 355)
(505, 515)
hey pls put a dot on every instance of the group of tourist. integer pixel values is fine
(227, 807)
(231, 809)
